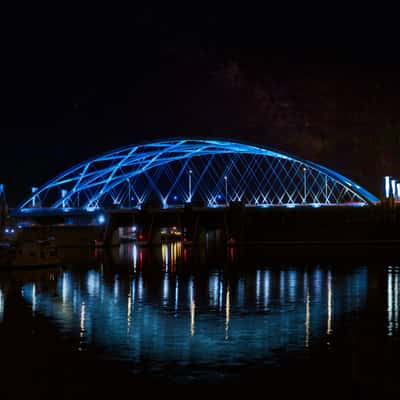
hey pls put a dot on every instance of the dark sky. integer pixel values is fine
(75, 83)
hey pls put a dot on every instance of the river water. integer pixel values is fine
(106, 322)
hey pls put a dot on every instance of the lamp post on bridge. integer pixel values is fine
(226, 190)
(190, 185)
(305, 184)
(34, 190)
(326, 189)
(63, 195)
(129, 192)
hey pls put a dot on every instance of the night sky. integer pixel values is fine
(82, 82)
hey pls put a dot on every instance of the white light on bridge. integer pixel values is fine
(387, 187)
(393, 182)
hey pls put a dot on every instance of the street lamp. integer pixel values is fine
(326, 189)
(190, 185)
(226, 189)
(34, 190)
(63, 195)
(305, 183)
(129, 192)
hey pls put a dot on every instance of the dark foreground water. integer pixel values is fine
(102, 324)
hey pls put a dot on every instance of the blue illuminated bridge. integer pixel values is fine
(198, 171)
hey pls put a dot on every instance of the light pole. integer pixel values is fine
(190, 185)
(63, 195)
(34, 190)
(226, 190)
(305, 183)
(129, 192)
(326, 189)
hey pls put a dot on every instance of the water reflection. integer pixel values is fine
(192, 308)
(82, 328)
(33, 296)
(1, 305)
(393, 299)
(227, 313)
(214, 315)
(329, 329)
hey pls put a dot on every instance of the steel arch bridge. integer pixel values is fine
(213, 172)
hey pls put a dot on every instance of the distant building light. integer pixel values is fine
(290, 205)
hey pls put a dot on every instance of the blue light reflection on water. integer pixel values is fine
(209, 318)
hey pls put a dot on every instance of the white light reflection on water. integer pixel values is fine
(165, 292)
(129, 309)
(192, 308)
(213, 282)
(307, 321)
(140, 288)
(93, 283)
(135, 256)
(282, 286)
(66, 286)
(292, 284)
(258, 286)
(329, 329)
(267, 283)
(393, 300)
(82, 328)
(34, 300)
(116, 288)
(227, 312)
(1, 305)
(176, 294)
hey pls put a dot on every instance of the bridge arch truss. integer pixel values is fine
(213, 172)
